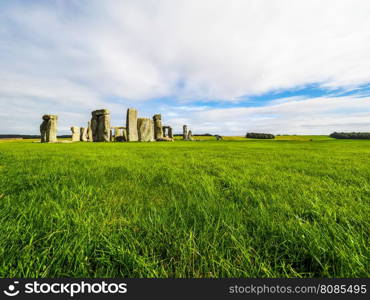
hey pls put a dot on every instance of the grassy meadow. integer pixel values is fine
(290, 207)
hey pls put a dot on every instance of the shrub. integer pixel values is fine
(351, 135)
(253, 135)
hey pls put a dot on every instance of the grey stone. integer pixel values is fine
(158, 131)
(100, 125)
(111, 135)
(131, 125)
(119, 134)
(75, 133)
(170, 134)
(89, 132)
(190, 135)
(167, 131)
(185, 132)
(83, 134)
(165, 139)
(152, 135)
(144, 130)
(48, 129)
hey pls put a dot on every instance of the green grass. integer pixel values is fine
(247, 208)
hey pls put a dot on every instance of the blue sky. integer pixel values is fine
(222, 67)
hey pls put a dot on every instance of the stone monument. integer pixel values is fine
(100, 125)
(75, 133)
(48, 129)
(144, 130)
(83, 134)
(89, 132)
(131, 125)
(158, 131)
(185, 132)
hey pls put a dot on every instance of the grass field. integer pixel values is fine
(241, 208)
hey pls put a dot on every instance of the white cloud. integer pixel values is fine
(320, 115)
(74, 56)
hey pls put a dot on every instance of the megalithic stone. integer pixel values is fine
(144, 129)
(158, 131)
(89, 132)
(124, 134)
(131, 125)
(184, 132)
(75, 133)
(48, 129)
(83, 134)
(170, 134)
(104, 127)
(152, 135)
(111, 135)
(94, 127)
(118, 134)
(100, 125)
(190, 135)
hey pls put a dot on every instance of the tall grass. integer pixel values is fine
(185, 209)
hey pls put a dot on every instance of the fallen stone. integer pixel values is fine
(165, 139)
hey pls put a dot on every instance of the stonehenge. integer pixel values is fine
(48, 129)
(75, 133)
(99, 129)
(100, 125)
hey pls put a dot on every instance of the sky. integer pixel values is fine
(220, 66)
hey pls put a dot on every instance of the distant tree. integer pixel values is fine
(351, 135)
(253, 135)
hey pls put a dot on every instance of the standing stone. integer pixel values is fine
(89, 132)
(75, 133)
(100, 125)
(118, 134)
(48, 129)
(158, 131)
(124, 134)
(104, 128)
(184, 132)
(83, 134)
(144, 129)
(94, 127)
(170, 134)
(190, 136)
(111, 135)
(131, 125)
(152, 135)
